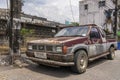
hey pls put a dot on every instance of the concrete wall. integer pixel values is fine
(41, 31)
(95, 14)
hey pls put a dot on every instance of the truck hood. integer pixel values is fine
(58, 40)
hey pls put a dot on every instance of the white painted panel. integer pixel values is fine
(94, 15)
(92, 50)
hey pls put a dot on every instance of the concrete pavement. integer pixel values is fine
(101, 69)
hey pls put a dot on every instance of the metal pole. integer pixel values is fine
(10, 28)
(116, 15)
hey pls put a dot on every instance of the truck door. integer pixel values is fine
(96, 41)
(104, 40)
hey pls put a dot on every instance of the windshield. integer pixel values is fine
(73, 31)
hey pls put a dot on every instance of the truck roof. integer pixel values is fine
(89, 25)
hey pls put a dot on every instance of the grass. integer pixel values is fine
(4, 49)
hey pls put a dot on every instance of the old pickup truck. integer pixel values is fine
(74, 47)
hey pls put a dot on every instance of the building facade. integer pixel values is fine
(26, 18)
(41, 26)
(4, 13)
(100, 12)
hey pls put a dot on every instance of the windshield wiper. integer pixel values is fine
(62, 36)
(77, 36)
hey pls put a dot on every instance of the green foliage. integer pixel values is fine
(75, 24)
(107, 31)
(118, 33)
(26, 32)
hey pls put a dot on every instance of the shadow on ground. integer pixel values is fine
(60, 72)
(97, 62)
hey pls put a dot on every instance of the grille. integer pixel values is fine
(34, 47)
(41, 47)
(49, 48)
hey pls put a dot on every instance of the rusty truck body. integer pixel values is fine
(73, 46)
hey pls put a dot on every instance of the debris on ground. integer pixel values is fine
(4, 60)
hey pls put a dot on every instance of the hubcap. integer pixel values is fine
(83, 61)
(113, 53)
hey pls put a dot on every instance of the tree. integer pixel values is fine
(75, 24)
(24, 33)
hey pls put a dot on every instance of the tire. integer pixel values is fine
(111, 54)
(81, 62)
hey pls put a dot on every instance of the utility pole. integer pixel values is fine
(10, 28)
(116, 15)
(14, 32)
(16, 27)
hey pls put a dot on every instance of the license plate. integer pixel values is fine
(41, 55)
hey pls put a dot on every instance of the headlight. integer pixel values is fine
(30, 47)
(58, 49)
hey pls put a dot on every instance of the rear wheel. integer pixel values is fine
(81, 62)
(111, 54)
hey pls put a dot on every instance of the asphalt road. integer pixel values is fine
(101, 69)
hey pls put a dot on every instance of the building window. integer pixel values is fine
(102, 3)
(86, 6)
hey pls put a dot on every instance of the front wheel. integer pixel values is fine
(81, 62)
(111, 54)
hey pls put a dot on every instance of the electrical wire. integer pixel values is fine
(72, 10)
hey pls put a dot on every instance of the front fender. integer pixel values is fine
(79, 46)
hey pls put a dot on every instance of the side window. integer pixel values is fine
(102, 3)
(94, 33)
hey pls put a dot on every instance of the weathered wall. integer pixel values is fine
(95, 14)
(41, 31)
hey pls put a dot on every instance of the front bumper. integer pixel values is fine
(51, 62)
(52, 59)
